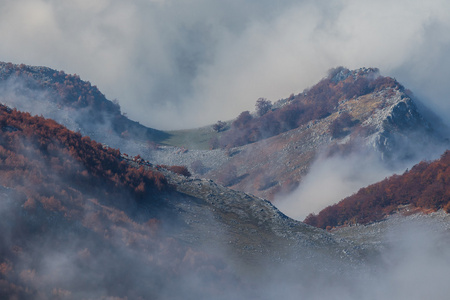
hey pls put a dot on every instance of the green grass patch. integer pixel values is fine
(195, 139)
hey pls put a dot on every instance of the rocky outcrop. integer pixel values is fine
(211, 215)
(401, 132)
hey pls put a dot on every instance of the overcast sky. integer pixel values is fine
(179, 63)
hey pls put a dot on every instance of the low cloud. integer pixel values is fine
(105, 254)
(176, 64)
(332, 179)
(415, 261)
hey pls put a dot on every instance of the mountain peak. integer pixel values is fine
(340, 73)
(75, 103)
(364, 112)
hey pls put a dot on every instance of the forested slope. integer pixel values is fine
(425, 186)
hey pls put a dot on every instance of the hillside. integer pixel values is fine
(72, 102)
(315, 103)
(348, 112)
(67, 201)
(266, 153)
(82, 221)
(425, 187)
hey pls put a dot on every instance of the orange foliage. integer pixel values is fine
(71, 195)
(425, 186)
(69, 91)
(316, 103)
(5, 268)
(70, 88)
(39, 155)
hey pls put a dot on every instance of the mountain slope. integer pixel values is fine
(72, 102)
(364, 113)
(425, 186)
(81, 221)
(346, 112)
(68, 207)
(385, 120)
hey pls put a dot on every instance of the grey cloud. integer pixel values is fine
(180, 64)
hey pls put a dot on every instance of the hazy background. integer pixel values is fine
(173, 63)
(330, 180)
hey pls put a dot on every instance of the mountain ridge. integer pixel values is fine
(386, 122)
(70, 101)
(358, 110)
(82, 220)
(381, 116)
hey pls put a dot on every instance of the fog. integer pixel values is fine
(174, 64)
(103, 252)
(413, 263)
(178, 64)
(331, 179)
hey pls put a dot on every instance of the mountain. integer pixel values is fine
(347, 112)
(425, 187)
(266, 153)
(72, 102)
(81, 220)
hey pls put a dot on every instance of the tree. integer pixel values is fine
(263, 106)
(219, 126)
(243, 119)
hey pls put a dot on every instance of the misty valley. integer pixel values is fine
(341, 191)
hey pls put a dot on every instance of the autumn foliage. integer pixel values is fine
(315, 103)
(71, 92)
(66, 196)
(70, 89)
(425, 186)
(38, 154)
